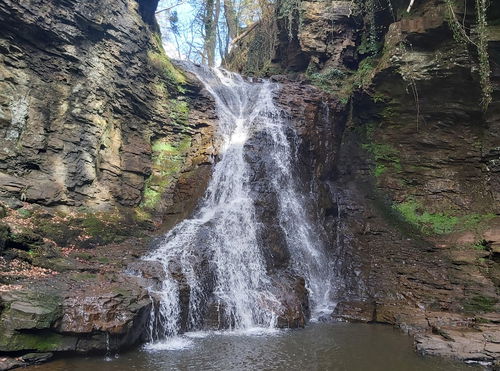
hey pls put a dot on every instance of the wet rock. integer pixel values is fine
(355, 311)
(291, 292)
(8, 363)
(34, 358)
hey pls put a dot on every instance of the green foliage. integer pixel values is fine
(480, 303)
(326, 78)
(385, 156)
(426, 222)
(438, 223)
(480, 245)
(363, 75)
(479, 41)
(289, 10)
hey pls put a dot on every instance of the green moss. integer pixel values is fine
(439, 223)
(151, 198)
(62, 233)
(83, 255)
(379, 170)
(106, 228)
(426, 222)
(159, 61)
(168, 160)
(83, 276)
(24, 213)
(480, 303)
(384, 155)
(179, 112)
(475, 221)
(43, 342)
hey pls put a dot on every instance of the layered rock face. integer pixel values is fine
(86, 95)
(106, 144)
(408, 181)
(100, 134)
(103, 144)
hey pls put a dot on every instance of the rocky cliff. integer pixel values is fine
(408, 172)
(103, 144)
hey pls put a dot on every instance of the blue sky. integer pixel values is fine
(185, 13)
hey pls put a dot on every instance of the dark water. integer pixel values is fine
(335, 346)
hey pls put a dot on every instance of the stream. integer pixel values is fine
(320, 346)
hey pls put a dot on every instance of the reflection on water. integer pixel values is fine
(335, 346)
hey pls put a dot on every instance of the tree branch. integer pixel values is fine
(171, 7)
(247, 31)
(409, 6)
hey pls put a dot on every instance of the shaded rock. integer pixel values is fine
(34, 358)
(8, 363)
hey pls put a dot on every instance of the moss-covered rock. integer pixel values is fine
(4, 235)
(168, 161)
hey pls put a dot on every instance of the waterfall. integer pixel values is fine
(217, 253)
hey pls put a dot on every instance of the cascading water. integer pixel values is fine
(217, 252)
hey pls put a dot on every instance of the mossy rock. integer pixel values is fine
(43, 341)
(4, 236)
(440, 222)
(3, 211)
(24, 241)
(29, 310)
(61, 233)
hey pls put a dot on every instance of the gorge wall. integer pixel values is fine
(409, 177)
(105, 144)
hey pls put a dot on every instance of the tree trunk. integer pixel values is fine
(231, 19)
(210, 21)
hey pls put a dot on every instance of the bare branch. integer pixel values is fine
(171, 7)
(247, 31)
(409, 6)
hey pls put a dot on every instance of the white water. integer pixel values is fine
(222, 236)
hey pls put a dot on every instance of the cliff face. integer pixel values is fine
(86, 95)
(409, 179)
(102, 142)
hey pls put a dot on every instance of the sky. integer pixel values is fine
(185, 13)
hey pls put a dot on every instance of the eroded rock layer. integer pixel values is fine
(103, 144)
(407, 171)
